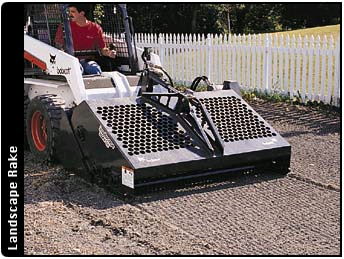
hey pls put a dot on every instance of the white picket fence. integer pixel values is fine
(307, 67)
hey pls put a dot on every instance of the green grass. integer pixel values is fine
(252, 95)
(321, 31)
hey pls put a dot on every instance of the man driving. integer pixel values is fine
(86, 35)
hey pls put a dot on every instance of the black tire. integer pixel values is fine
(26, 103)
(43, 118)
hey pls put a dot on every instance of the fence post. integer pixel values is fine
(330, 72)
(267, 53)
(209, 56)
(337, 75)
(161, 48)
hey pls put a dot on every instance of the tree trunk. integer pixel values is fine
(194, 20)
(229, 23)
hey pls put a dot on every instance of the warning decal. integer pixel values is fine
(128, 177)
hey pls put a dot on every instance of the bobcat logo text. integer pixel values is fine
(63, 71)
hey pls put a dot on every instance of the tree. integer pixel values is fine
(228, 16)
(296, 16)
(231, 18)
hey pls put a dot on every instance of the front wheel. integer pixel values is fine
(43, 125)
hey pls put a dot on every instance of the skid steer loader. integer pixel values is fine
(130, 126)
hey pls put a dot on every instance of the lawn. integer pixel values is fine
(321, 31)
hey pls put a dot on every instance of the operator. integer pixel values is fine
(86, 35)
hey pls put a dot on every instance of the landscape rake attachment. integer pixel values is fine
(130, 127)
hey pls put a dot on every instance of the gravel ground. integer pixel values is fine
(258, 214)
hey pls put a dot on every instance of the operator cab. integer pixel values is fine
(43, 21)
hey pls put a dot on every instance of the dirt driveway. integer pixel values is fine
(256, 214)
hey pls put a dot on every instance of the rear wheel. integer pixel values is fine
(43, 125)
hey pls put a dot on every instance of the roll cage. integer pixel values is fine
(43, 21)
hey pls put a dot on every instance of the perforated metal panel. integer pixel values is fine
(141, 128)
(234, 120)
